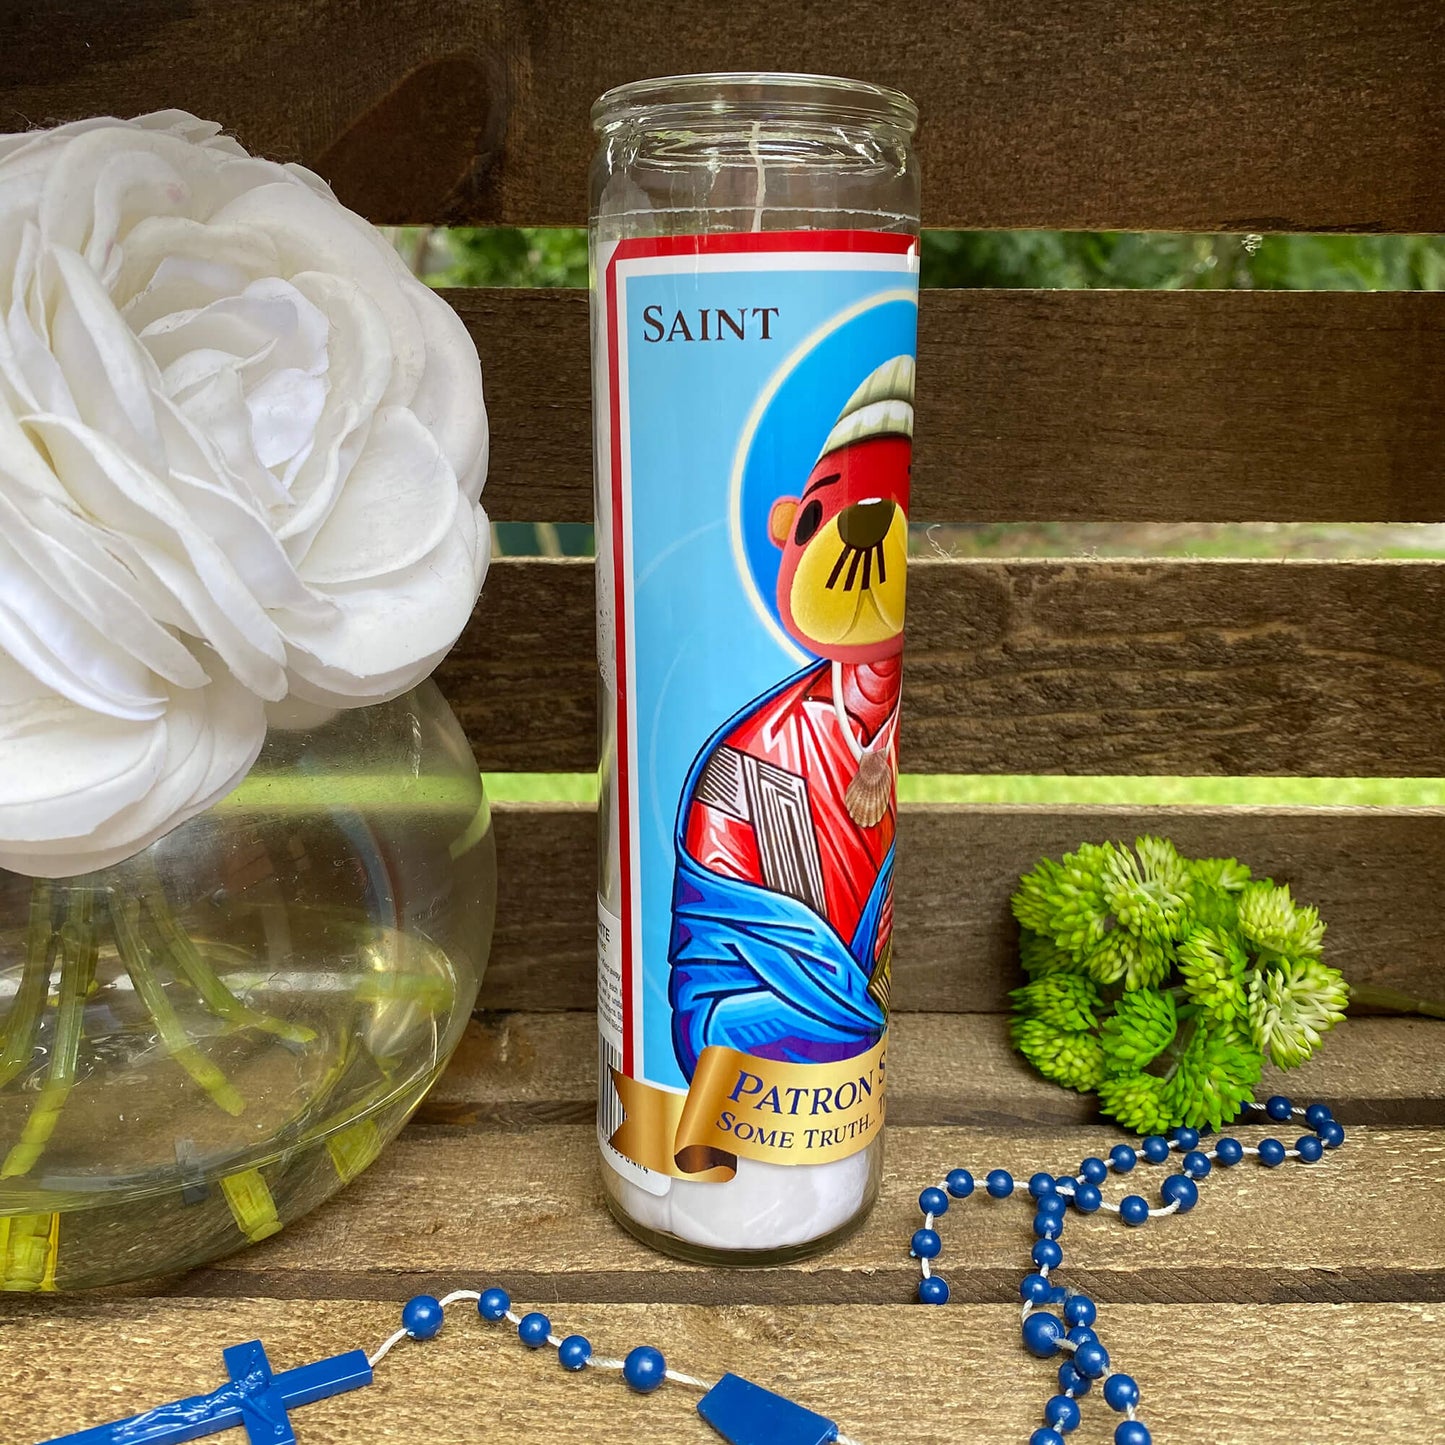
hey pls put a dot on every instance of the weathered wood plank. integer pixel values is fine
(1252, 1374)
(1375, 874)
(513, 1070)
(445, 1206)
(1332, 669)
(1307, 115)
(1158, 406)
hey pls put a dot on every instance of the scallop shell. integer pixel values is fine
(871, 790)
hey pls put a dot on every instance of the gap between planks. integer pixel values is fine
(516, 1070)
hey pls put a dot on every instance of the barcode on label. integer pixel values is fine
(609, 1106)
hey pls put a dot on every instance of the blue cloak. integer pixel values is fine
(759, 971)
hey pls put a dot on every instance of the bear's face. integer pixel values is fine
(845, 549)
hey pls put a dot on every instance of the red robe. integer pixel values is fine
(798, 731)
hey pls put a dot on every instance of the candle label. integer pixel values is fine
(755, 425)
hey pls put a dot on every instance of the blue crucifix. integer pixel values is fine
(252, 1397)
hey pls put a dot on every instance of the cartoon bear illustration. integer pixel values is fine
(782, 900)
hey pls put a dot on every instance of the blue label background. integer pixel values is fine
(701, 650)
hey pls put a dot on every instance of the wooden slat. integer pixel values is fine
(1150, 115)
(1251, 1375)
(1331, 669)
(1376, 875)
(446, 1206)
(1157, 406)
(514, 1070)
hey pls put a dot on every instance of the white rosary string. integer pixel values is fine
(596, 1362)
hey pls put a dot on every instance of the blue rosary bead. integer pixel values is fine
(1066, 1181)
(1080, 1310)
(1134, 1209)
(1123, 1158)
(933, 1290)
(644, 1369)
(1186, 1138)
(1131, 1432)
(1035, 1288)
(1195, 1164)
(1083, 1335)
(1051, 1226)
(1317, 1115)
(494, 1304)
(1047, 1254)
(926, 1244)
(1121, 1392)
(1095, 1171)
(1155, 1149)
(1041, 1184)
(1052, 1204)
(1042, 1333)
(574, 1352)
(1332, 1134)
(1071, 1379)
(1087, 1198)
(1310, 1148)
(533, 1330)
(960, 1183)
(1278, 1108)
(1228, 1151)
(933, 1201)
(421, 1317)
(1182, 1190)
(1271, 1153)
(1091, 1359)
(1000, 1183)
(1044, 1436)
(1062, 1413)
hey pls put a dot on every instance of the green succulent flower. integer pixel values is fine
(1292, 1004)
(1064, 1000)
(1214, 1077)
(1149, 890)
(1040, 955)
(1141, 1027)
(1066, 900)
(1227, 874)
(1037, 899)
(1122, 957)
(1269, 919)
(1215, 970)
(1073, 1058)
(1163, 982)
(1136, 1101)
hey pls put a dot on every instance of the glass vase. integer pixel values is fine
(200, 1044)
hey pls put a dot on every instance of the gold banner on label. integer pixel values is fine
(757, 1108)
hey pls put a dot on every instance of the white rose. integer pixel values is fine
(241, 451)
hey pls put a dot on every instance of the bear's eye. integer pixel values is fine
(809, 520)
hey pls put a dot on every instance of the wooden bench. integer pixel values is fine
(1299, 1305)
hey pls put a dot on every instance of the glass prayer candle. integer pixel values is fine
(755, 304)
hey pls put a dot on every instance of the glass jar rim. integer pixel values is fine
(786, 94)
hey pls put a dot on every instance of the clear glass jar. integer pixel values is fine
(806, 183)
(203, 1042)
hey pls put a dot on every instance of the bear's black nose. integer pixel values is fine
(865, 524)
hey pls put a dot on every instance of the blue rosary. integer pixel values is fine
(742, 1412)
(1045, 1334)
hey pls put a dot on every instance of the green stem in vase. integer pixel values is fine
(125, 916)
(181, 952)
(78, 951)
(22, 1024)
